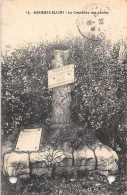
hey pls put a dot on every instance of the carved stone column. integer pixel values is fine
(61, 95)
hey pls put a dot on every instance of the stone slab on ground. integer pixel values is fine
(66, 164)
(106, 158)
(84, 158)
(43, 162)
(38, 164)
(96, 156)
(16, 164)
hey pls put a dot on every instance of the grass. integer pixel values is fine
(89, 184)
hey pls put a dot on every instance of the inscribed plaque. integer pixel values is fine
(61, 76)
(29, 140)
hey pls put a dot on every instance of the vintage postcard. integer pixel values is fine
(63, 97)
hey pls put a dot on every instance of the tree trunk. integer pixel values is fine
(61, 95)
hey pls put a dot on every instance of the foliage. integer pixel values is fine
(98, 96)
(52, 157)
(24, 87)
(98, 93)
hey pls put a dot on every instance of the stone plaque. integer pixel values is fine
(29, 140)
(61, 76)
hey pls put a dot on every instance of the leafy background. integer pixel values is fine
(98, 93)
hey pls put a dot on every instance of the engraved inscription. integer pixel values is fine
(61, 76)
(29, 140)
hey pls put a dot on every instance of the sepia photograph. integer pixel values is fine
(63, 97)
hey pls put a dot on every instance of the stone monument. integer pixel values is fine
(61, 94)
(91, 156)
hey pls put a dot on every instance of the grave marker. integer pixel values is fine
(60, 78)
(29, 140)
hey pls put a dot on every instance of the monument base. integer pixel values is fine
(64, 157)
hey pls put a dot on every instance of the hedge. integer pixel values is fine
(98, 93)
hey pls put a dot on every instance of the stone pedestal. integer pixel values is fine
(64, 158)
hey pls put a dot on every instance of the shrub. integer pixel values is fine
(98, 93)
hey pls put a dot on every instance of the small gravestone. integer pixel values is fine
(29, 140)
